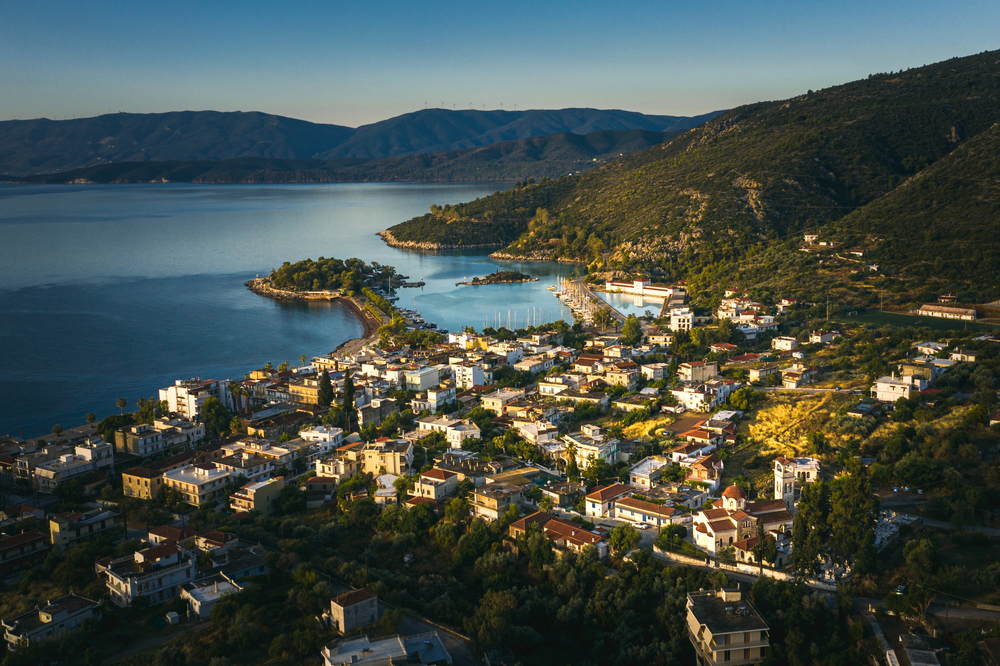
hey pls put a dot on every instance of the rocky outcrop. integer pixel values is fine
(427, 246)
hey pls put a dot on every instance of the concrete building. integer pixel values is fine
(435, 484)
(601, 501)
(892, 388)
(198, 485)
(422, 379)
(468, 375)
(418, 650)
(68, 528)
(187, 396)
(22, 551)
(387, 456)
(152, 441)
(55, 618)
(647, 472)
(681, 319)
(641, 512)
(493, 499)
(790, 475)
(327, 438)
(154, 573)
(93, 455)
(590, 442)
(145, 482)
(202, 595)
(354, 610)
(497, 402)
(725, 628)
(698, 371)
(259, 496)
(784, 343)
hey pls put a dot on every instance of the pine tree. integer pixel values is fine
(811, 528)
(325, 394)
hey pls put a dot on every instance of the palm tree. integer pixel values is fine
(121, 402)
(303, 359)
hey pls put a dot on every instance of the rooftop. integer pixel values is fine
(725, 611)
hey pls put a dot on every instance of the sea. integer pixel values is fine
(115, 291)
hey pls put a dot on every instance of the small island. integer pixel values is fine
(500, 277)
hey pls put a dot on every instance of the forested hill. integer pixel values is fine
(769, 171)
(47, 146)
(537, 157)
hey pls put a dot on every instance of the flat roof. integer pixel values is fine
(724, 617)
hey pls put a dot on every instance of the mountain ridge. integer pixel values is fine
(46, 146)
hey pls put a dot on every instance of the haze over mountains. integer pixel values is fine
(48, 146)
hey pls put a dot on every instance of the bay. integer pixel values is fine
(116, 291)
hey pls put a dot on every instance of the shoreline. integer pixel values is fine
(262, 287)
(391, 241)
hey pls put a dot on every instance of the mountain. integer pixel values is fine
(848, 162)
(537, 157)
(47, 146)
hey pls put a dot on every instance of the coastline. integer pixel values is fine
(391, 241)
(263, 287)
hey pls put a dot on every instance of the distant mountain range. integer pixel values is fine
(48, 146)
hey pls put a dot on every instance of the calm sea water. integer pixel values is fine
(115, 291)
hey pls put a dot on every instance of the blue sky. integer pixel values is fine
(360, 62)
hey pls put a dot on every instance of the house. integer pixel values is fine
(19, 512)
(598, 398)
(68, 528)
(93, 455)
(823, 337)
(187, 396)
(198, 485)
(964, 355)
(566, 536)
(654, 371)
(378, 410)
(681, 319)
(422, 379)
(698, 371)
(784, 343)
(250, 465)
(590, 442)
(707, 470)
(708, 439)
(733, 518)
(435, 484)
(762, 372)
(353, 610)
(892, 388)
(202, 595)
(640, 512)
(563, 493)
(493, 499)
(344, 463)
(790, 475)
(417, 650)
(725, 628)
(327, 438)
(723, 348)
(55, 618)
(930, 348)
(22, 551)
(861, 410)
(498, 400)
(259, 496)
(685, 455)
(647, 472)
(168, 534)
(154, 573)
(600, 502)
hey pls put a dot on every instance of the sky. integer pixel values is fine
(352, 63)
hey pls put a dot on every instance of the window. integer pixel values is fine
(725, 655)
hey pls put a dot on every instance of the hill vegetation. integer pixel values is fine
(862, 164)
(537, 157)
(48, 146)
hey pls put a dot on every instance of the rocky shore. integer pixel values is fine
(391, 241)
(533, 256)
(263, 287)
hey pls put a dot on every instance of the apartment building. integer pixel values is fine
(589, 443)
(92, 455)
(493, 499)
(199, 485)
(387, 456)
(187, 396)
(435, 484)
(725, 628)
(326, 438)
(259, 496)
(145, 482)
(150, 441)
(22, 551)
(56, 617)
(68, 528)
(154, 573)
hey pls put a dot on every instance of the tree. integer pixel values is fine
(325, 394)
(348, 394)
(90, 418)
(216, 416)
(283, 366)
(623, 538)
(631, 331)
(121, 402)
(727, 555)
(765, 549)
(852, 519)
(302, 359)
(811, 529)
(57, 430)
(603, 318)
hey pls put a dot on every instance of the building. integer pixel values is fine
(168, 534)
(724, 628)
(497, 402)
(22, 551)
(600, 502)
(145, 482)
(822, 337)
(467, 375)
(68, 528)
(698, 371)
(784, 343)
(435, 484)
(198, 485)
(493, 499)
(563, 493)
(151, 441)
(590, 443)
(732, 518)
(260, 496)
(946, 312)
(250, 465)
(455, 431)
(327, 438)
(376, 411)
(647, 472)
(640, 512)
(565, 535)
(892, 388)
(416, 650)
(93, 455)
(187, 396)
(202, 595)
(422, 379)
(387, 456)
(354, 610)
(57, 617)
(154, 573)
(347, 461)
(790, 474)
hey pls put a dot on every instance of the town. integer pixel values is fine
(762, 482)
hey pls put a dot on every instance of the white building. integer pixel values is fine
(468, 375)
(198, 485)
(822, 337)
(327, 438)
(784, 343)
(422, 379)
(790, 474)
(94, 454)
(155, 573)
(187, 396)
(681, 319)
(589, 443)
(892, 388)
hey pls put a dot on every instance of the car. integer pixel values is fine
(642, 526)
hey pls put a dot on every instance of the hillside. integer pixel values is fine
(47, 146)
(536, 157)
(758, 174)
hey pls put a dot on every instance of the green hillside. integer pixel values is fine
(754, 178)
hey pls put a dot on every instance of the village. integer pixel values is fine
(607, 438)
